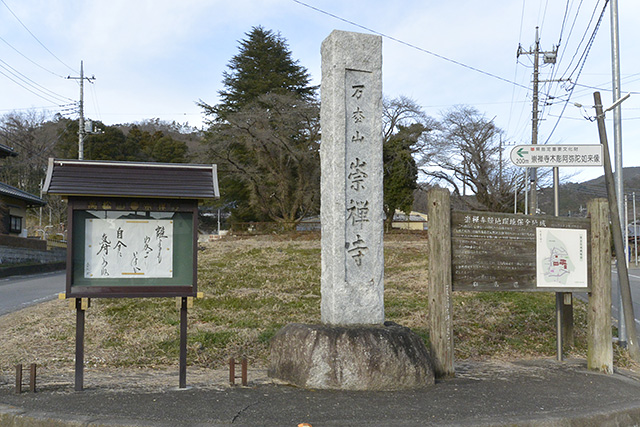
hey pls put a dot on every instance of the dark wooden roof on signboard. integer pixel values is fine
(129, 179)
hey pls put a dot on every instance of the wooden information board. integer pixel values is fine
(498, 252)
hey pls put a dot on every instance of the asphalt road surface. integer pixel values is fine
(634, 282)
(18, 292)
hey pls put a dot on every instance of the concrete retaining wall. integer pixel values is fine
(16, 255)
(21, 242)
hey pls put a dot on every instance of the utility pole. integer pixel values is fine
(564, 303)
(81, 130)
(549, 58)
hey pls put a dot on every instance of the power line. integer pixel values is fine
(39, 95)
(33, 35)
(602, 89)
(32, 83)
(29, 59)
(453, 61)
(63, 108)
(579, 67)
(595, 9)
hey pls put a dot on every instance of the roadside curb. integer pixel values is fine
(524, 393)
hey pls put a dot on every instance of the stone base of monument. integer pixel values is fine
(359, 357)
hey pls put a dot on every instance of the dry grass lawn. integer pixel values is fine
(253, 287)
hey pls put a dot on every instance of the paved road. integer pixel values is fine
(634, 281)
(22, 291)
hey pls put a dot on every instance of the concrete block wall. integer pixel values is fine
(18, 255)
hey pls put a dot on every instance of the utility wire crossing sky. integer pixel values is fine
(156, 60)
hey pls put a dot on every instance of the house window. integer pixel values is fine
(16, 224)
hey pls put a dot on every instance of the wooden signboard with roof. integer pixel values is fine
(132, 232)
(132, 226)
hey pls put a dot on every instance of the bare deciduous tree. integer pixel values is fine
(465, 153)
(33, 138)
(272, 146)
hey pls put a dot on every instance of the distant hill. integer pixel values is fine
(574, 196)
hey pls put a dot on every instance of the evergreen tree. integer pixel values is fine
(405, 129)
(264, 64)
(264, 133)
(400, 174)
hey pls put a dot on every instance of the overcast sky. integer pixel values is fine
(156, 58)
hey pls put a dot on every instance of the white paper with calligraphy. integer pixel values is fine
(131, 248)
(561, 258)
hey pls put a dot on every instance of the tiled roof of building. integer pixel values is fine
(9, 191)
(6, 151)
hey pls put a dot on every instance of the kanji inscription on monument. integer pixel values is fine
(351, 184)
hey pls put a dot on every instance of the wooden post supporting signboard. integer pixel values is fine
(440, 306)
(183, 343)
(79, 380)
(599, 348)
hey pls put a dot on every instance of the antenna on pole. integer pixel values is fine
(81, 130)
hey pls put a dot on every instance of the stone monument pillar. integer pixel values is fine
(352, 283)
(353, 348)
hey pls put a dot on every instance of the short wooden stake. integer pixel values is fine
(32, 378)
(243, 371)
(18, 378)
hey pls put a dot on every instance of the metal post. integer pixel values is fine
(559, 302)
(635, 229)
(183, 343)
(623, 273)
(526, 191)
(81, 121)
(79, 383)
(556, 191)
(559, 295)
(617, 134)
(564, 302)
(627, 254)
